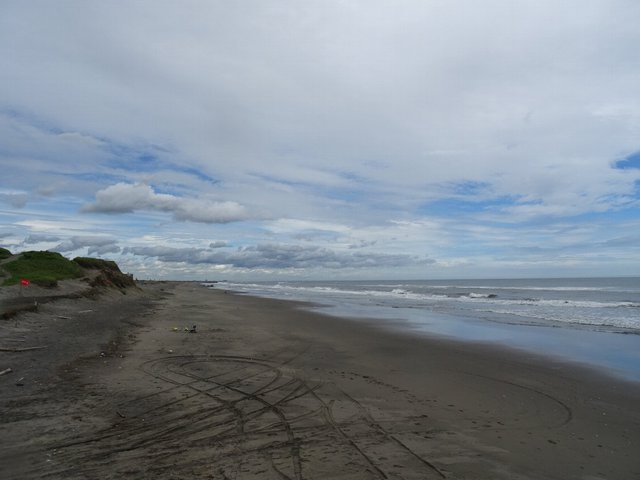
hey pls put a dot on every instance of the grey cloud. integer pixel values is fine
(37, 238)
(103, 249)
(629, 241)
(95, 244)
(127, 198)
(279, 257)
(218, 244)
(172, 254)
(16, 200)
(363, 244)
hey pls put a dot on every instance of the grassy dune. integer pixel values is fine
(47, 268)
(41, 268)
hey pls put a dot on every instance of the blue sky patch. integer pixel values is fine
(470, 188)
(27, 118)
(454, 206)
(631, 161)
(102, 178)
(134, 160)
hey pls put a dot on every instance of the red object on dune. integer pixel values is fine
(24, 281)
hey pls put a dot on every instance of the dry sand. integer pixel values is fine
(266, 390)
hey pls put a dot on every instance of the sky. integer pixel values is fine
(333, 139)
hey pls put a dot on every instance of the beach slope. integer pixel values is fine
(179, 381)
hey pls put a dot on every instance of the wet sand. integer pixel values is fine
(266, 390)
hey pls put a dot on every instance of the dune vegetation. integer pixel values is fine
(41, 268)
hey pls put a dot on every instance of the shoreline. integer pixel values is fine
(616, 355)
(515, 341)
(266, 389)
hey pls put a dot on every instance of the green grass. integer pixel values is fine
(96, 264)
(41, 268)
(4, 253)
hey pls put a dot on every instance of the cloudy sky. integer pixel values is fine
(260, 139)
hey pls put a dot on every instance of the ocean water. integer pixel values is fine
(595, 321)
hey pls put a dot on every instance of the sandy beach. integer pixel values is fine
(116, 386)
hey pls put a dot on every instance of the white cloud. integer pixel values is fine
(127, 198)
(56, 227)
(320, 122)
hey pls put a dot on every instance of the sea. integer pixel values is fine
(591, 321)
